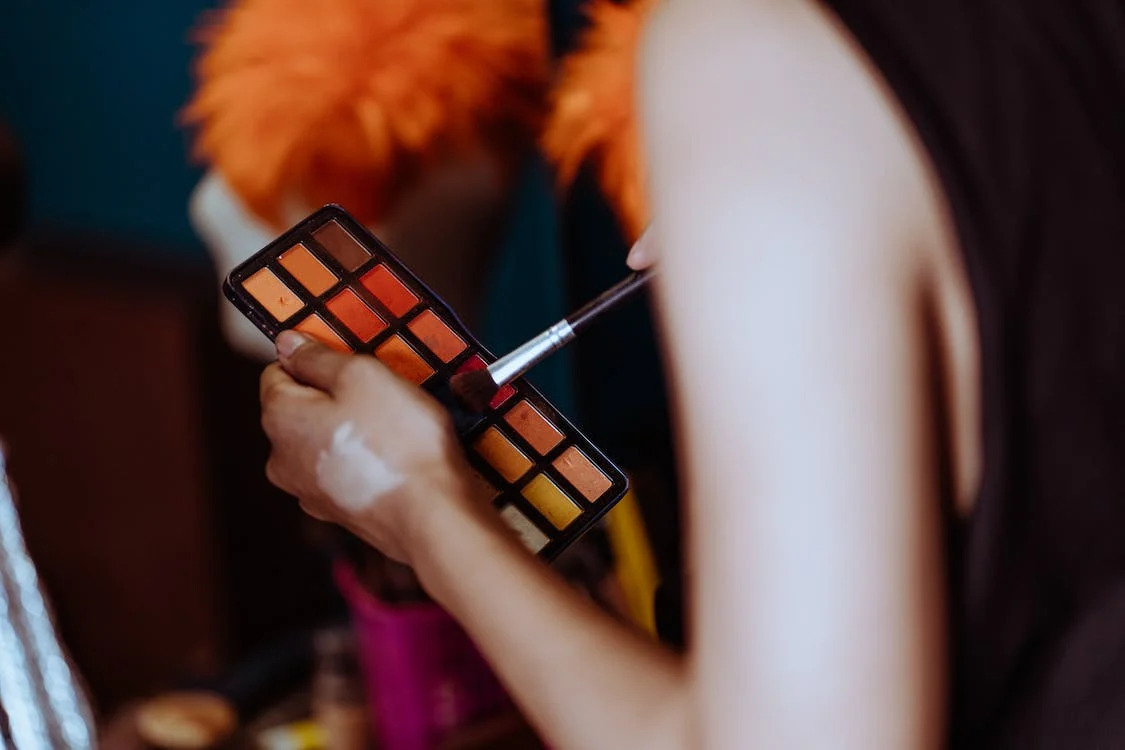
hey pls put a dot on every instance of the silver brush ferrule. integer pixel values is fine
(511, 366)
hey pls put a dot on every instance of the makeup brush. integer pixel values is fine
(477, 388)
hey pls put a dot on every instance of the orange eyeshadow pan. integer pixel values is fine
(435, 334)
(581, 472)
(502, 455)
(533, 427)
(273, 295)
(389, 290)
(315, 326)
(306, 269)
(403, 360)
(356, 315)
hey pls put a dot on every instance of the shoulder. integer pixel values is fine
(761, 100)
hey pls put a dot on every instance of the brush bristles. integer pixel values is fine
(474, 389)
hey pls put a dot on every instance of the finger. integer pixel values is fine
(311, 510)
(273, 473)
(279, 394)
(309, 361)
(643, 254)
(274, 383)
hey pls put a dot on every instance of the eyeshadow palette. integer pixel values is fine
(331, 279)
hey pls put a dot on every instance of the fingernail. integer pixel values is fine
(288, 342)
(640, 255)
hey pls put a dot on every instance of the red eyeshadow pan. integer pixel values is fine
(505, 393)
(315, 326)
(434, 333)
(403, 361)
(389, 290)
(356, 315)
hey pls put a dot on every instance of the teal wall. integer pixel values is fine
(92, 91)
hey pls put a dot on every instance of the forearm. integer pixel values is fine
(585, 680)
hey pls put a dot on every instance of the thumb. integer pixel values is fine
(308, 361)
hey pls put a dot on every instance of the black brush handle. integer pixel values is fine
(610, 298)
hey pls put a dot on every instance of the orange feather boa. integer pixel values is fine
(593, 116)
(347, 101)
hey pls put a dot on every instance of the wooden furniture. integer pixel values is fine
(135, 447)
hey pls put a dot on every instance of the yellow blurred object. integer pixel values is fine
(349, 101)
(635, 564)
(302, 735)
(593, 114)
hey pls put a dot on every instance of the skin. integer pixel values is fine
(793, 198)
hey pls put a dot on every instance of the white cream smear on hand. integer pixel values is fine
(353, 476)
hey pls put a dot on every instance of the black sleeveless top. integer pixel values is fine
(1021, 105)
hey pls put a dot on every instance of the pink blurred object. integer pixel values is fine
(424, 677)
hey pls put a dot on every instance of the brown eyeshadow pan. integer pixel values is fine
(339, 243)
(315, 326)
(502, 454)
(272, 294)
(307, 269)
(402, 360)
(581, 472)
(435, 334)
(533, 427)
(356, 315)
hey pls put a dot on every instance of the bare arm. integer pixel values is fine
(792, 298)
(789, 197)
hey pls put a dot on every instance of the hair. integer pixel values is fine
(348, 101)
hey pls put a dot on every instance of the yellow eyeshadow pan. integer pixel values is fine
(533, 427)
(403, 360)
(272, 294)
(315, 326)
(435, 334)
(305, 268)
(582, 473)
(502, 455)
(552, 502)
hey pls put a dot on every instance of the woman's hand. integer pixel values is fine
(357, 445)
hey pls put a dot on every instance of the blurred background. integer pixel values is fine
(128, 396)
